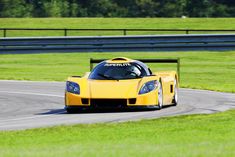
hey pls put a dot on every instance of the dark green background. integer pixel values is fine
(117, 8)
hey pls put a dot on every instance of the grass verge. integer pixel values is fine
(202, 70)
(158, 23)
(193, 135)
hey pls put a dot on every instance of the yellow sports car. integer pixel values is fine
(121, 83)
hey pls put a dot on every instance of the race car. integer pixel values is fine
(122, 83)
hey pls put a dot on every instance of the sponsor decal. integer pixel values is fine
(117, 64)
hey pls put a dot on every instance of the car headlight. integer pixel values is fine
(148, 87)
(72, 87)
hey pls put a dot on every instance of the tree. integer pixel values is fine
(15, 8)
(147, 8)
(220, 10)
(37, 8)
(52, 9)
(199, 8)
(117, 8)
(172, 8)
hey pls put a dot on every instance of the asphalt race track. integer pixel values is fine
(25, 105)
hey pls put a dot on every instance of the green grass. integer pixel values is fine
(193, 135)
(157, 23)
(202, 70)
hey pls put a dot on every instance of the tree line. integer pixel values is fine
(117, 8)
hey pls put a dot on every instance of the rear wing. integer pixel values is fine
(176, 61)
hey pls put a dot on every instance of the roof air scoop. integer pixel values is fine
(120, 59)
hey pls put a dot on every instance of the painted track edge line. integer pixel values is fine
(27, 93)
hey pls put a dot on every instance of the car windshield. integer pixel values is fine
(117, 71)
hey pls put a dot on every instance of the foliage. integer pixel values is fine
(117, 8)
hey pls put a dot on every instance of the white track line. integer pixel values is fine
(27, 81)
(29, 93)
(31, 117)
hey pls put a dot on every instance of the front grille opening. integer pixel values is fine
(109, 103)
(132, 101)
(85, 101)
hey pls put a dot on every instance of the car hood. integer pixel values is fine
(114, 88)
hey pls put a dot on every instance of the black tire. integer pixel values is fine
(74, 109)
(160, 96)
(175, 97)
(69, 110)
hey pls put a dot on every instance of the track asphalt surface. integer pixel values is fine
(25, 105)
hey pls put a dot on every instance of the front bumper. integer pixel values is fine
(74, 109)
(143, 100)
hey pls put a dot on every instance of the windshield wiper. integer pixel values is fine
(107, 77)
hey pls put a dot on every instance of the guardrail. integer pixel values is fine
(65, 31)
(117, 43)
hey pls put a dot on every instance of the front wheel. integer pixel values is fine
(69, 110)
(160, 96)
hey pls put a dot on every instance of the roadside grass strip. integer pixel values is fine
(191, 135)
(199, 69)
(112, 23)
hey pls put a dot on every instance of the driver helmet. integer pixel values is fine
(135, 70)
